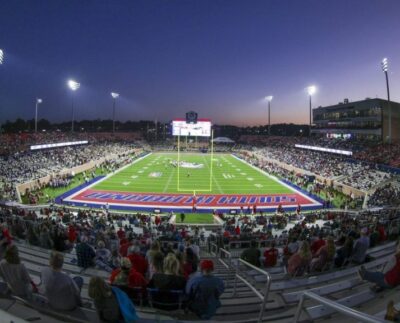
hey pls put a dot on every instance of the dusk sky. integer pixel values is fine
(216, 57)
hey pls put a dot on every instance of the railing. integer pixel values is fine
(363, 317)
(264, 298)
(213, 248)
(223, 254)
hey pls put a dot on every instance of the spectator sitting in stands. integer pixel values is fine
(389, 278)
(360, 247)
(103, 256)
(127, 276)
(106, 303)
(299, 262)
(392, 314)
(194, 247)
(317, 244)
(62, 291)
(151, 253)
(59, 240)
(190, 263)
(323, 256)
(137, 260)
(166, 283)
(14, 273)
(85, 253)
(204, 290)
(123, 249)
(170, 279)
(271, 256)
(252, 255)
(44, 238)
(343, 253)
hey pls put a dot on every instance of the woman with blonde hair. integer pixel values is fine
(154, 249)
(299, 262)
(168, 281)
(104, 300)
(323, 256)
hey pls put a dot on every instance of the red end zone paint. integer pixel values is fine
(187, 200)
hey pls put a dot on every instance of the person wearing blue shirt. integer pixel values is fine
(204, 290)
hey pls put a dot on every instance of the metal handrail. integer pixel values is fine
(213, 246)
(363, 317)
(264, 297)
(226, 254)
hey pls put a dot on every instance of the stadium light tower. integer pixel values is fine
(38, 101)
(269, 99)
(114, 96)
(1, 56)
(73, 86)
(311, 90)
(385, 67)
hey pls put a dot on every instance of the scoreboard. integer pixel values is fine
(200, 129)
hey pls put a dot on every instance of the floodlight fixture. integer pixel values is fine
(385, 67)
(114, 95)
(311, 89)
(385, 64)
(269, 98)
(1, 56)
(73, 85)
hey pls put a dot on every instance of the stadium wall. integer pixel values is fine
(34, 184)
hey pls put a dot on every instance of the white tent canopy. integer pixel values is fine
(223, 140)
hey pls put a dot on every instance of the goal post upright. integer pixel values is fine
(212, 157)
(178, 163)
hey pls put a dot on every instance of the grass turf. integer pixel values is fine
(197, 218)
(51, 193)
(156, 174)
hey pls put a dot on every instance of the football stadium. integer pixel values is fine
(148, 174)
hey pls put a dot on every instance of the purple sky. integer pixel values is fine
(217, 57)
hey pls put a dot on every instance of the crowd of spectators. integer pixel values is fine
(340, 239)
(144, 255)
(23, 167)
(388, 195)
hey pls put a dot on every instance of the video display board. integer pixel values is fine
(200, 129)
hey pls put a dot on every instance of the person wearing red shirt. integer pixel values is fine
(71, 234)
(320, 242)
(127, 276)
(157, 220)
(237, 230)
(382, 233)
(123, 249)
(120, 234)
(271, 256)
(389, 279)
(137, 260)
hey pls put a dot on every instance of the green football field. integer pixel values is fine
(223, 174)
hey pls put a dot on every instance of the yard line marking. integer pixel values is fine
(213, 177)
(169, 180)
